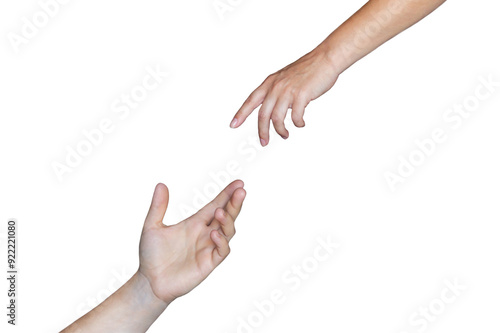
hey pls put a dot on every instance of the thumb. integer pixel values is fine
(158, 207)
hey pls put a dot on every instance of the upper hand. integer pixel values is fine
(293, 87)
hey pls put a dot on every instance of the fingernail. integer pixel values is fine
(263, 142)
(234, 123)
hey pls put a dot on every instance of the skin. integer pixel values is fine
(173, 261)
(301, 82)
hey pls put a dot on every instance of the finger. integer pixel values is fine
(207, 212)
(254, 100)
(225, 217)
(158, 207)
(278, 117)
(222, 249)
(226, 223)
(298, 109)
(234, 205)
(264, 119)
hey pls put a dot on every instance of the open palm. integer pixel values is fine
(177, 258)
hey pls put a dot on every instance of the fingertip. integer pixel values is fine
(298, 110)
(238, 183)
(263, 142)
(160, 194)
(234, 123)
(299, 123)
(217, 237)
(158, 208)
(160, 186)
(281, 130)
(220, 214)
(240, 194)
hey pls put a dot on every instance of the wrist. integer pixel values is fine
(336, 53)
(132, 308)
(144, 294)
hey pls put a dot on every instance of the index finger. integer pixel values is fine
(221, 200)
(226, 217)
(233, 206)
(251, 103)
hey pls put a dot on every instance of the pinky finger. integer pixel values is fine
(298, 109)
(221, 250)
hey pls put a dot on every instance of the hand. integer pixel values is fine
(175, 259)
(293, 87)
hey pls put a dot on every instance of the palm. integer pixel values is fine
(189, 259)
(177, 258)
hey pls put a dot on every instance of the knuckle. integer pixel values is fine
(301, 95)
(268, 79)
(279, 85)
(254, 95)
(262, 116)
(250, 99)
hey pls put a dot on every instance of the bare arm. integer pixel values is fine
(173, 261)
(294, 86)
(132, 308)
(373, 25)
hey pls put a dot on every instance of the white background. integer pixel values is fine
(397, 247)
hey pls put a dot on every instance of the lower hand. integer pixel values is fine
(177, 258)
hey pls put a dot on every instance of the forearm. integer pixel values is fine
(374, 24)
(132, 308)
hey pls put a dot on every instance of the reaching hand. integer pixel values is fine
(315, 73)
(175, 259)
(293, 87)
